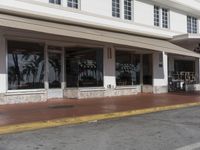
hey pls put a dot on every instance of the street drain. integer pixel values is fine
(61, 106)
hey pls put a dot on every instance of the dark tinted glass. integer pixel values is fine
(147, 69)
(55, 1)
(25, 65)
(54, 70)
(84, 67)
(127, 68)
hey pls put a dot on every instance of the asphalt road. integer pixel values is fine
(170, 130)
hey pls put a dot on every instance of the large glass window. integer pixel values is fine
(127, 68)
(128, 9)
(25, 65)
(55, 1)
(184, 66)
(54, 66)
(191, 24)
(147, 69)
(72, 3)
(84, 67)
(116, 8)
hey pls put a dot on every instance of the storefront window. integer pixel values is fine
(54, 69)
(184, 66)
(25, 65)
(84, 67)
(127, 68)
(147, 69)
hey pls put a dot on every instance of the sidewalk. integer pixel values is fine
(56, 112)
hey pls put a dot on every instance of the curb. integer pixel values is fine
(78, 120)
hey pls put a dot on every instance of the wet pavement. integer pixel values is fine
(63, 108)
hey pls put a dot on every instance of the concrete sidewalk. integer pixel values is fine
(57, 112)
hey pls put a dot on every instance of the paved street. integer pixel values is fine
(170, 130)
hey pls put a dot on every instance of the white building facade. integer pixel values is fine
(97, 48)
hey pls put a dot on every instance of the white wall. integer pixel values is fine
(3, 76)
(98, 13)
(143, 13)
(100, 7)
(178, 21)
(109, 67)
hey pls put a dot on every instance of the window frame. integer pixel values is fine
(192, 27)
(78, 4)
(160, 20)
(114, 13)
(64, 3)
(55, 2)
(131, 11)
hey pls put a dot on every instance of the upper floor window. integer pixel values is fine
(156, 16)
(116, 8)
(165, 18)
(191, 24)
(72, 3)
(128, 9)
(161, 17)
(55, 1)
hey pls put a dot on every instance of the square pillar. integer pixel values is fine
(160, 72)
(109, 67)
(197, 69)
(3, 65)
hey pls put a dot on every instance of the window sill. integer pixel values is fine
(87, 89)
(127, 87)
(25, 92)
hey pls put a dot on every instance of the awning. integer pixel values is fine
(57, 28)
(188, 41)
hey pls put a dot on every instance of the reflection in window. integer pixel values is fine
(191, 24)
(128, 9)
(84, 67)
(25, 65)
(54, 70)
(127, 68)
(156, 16)
(116, 8)
(55, 1)
(72, 3)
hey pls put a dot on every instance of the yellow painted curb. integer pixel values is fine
(77, 120)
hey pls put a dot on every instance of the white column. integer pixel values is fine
(3, 65)
(109, 67)
(122, 9)
(160, 72)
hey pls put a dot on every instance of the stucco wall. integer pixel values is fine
(100, 7)
(3, 76)
(178, 21)
(143, 13)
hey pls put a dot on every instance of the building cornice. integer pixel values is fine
(104, 23)
(180, 5)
